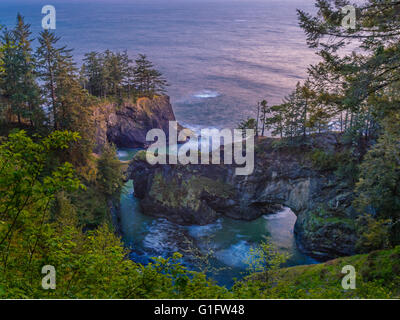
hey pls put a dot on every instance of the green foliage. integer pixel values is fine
(39, 226)
(263, 117)
(301, 113)
(113, 74)
(378, 188)
(148, 81)
(91, 265)
(103, 189)
(342, 163)
(18, 85)
(110, 178)
(362, 86)
(43, 205)
(374, 234)
(377, 276)
(266, 259)
(54, 66)
(323, 160)
(348, 167)
(26, 194)
(107, 74)
(250, 123)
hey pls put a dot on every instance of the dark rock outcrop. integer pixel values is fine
(127, 125)
(199, 194)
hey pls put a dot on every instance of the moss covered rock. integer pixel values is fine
(283, 176)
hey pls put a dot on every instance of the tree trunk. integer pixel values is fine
(305, 120)
(258, 118)
(53, 93)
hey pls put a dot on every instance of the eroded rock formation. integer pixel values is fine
(127, 125)
(199, 194)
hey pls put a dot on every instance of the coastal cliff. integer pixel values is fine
(126, 125)
(283, 176)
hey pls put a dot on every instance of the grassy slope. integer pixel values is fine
(378, 276)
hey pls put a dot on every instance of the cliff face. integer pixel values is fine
(199, 194)
(127, 125)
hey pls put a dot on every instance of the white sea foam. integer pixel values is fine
(236, 255)
(162, 237)
(281, 215)
(206, 94)
(203, 231)
(122, 154)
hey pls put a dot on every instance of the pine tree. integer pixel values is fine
(379, 185)
(68, 101)
(20, 91)
(93, 74)
(110, 178)
(108, 74)
(264, 111)
(378, 190)
(53, 64)
(148, 81)
(29, 89)
(116, 67)
(360, 80)
(275, 120)
(10, 78)
(250, 123)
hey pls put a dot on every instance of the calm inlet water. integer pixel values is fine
(230, 240)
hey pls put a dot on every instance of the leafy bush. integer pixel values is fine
(374, 234)
(323, 161)
(266, 259)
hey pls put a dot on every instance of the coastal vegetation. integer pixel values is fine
(113, 74)
(57, 195)
(356, 95)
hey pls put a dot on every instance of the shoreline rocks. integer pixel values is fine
(283, 176)
(126, 125)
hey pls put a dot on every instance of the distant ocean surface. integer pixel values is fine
(219, 56)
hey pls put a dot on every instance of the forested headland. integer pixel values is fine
(56, 194)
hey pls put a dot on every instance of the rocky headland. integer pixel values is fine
(283, 176)
(126, 125)
(200, 194)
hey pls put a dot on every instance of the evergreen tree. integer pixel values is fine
(109, 177)
(69, 103)
(379, 186)
(19, 89)
(53, 65)
(108, 74)
(29, 89)
(264, 111)
(93, 74)
(148, 81)
(10, 79)
(250, 123)
(361, 80)
(275, 120)
(116, 66)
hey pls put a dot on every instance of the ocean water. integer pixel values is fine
(227, 242)
(219, 56)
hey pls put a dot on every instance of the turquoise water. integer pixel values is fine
(229, 240)
(125, 154)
